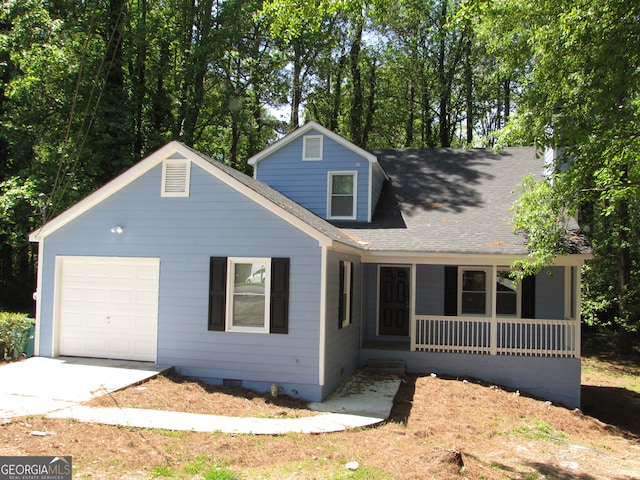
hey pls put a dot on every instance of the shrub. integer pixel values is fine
(14, 331)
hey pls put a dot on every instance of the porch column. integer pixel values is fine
(494, 318)
(578, 309)
(572, 304)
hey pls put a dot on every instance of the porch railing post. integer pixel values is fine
(494, 336)
(578, 319)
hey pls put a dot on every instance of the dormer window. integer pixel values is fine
(175, 178)
(312, 147)
(342, 195)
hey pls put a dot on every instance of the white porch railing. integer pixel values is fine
(497, 336)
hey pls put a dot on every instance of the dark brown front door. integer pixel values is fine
(394, 301)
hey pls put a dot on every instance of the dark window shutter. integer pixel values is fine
(341, 296)
(528, 306)
(217, 293)
(351, 296)
(451, 291)
(279, 315)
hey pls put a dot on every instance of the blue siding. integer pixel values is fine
(376, 188)
(550, 294)
(429, 289)
(305, 182)
(215, 220)
(342, 344)
(369, 301)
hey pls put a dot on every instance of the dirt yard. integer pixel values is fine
(440, 428)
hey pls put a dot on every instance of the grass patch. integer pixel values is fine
(624, 372)
(318, 469)
(209, 469)
(534, 429)
(172, 433)
(163, 471)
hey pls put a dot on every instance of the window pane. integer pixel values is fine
(342, 206)
(474, 292)
(474, 303)
(473, 281)
(342, 184)
(248, 310)
(506, 303)
(506, 295)
(249, 294)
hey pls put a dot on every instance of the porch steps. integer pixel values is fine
(388, 366)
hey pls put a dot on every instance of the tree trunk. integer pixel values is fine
(200, 59)
(468, 77)
(443, 103)
(624, 336)
(507, 99)
(296, 88)
(337, 94)
(356, 99)
(371, 104)
(410, 114)
(139, 80)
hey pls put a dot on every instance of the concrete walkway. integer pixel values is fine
(57, 387)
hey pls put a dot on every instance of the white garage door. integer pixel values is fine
(108, 307)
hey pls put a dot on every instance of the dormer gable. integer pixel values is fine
(323, 172)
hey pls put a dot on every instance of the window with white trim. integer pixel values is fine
(312, 147)
(176, 175)
(473, 292)
(249, 295)
(248, 303)
(342, 195)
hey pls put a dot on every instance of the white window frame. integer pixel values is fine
(187, 178)
(346, 287)
(488, 290)
(231, 262)
(305, 148)
(330, 176)
(518, 313)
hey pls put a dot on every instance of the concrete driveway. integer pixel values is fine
(41, 385)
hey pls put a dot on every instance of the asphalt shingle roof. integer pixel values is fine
(448, 201)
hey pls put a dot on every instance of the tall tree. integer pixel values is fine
(583, 98)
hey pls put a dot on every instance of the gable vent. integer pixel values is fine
(175, 178)
(312, 147)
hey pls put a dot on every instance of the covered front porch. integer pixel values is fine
(471, 319)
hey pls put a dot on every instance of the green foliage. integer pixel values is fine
(582, 97)
(541, 214)
(14, 329)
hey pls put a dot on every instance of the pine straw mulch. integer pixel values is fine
(440, 428)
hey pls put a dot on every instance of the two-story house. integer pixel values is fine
(328, 258)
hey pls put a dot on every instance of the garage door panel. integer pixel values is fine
(108, 307)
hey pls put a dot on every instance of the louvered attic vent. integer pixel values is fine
(312, 147)
(175, 178)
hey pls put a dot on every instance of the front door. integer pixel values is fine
(394, 301)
